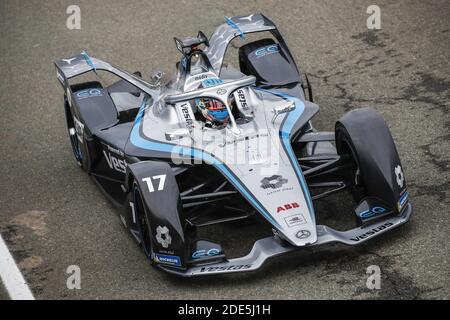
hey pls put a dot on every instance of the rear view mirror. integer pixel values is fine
(282, 109)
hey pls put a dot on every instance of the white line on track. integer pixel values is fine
(12, 279)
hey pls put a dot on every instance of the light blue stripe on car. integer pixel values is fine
(140, 142)
(403, 198)
(232, 24)
(285, 134)
(88, 60)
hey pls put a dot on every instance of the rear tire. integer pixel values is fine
(79, 148)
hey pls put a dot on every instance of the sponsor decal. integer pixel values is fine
(399, 176)
(114, 150)
(89, 93)
(202, 76)
(267, 50)
(303, 234)
(205, 253)
(163, 236)
(372, 212)
(273, 182)
(115, 163)
(167, 259)
(211, 82)
(279, 190)
(226, 268)
(151, 182)
(295, 220)
(287, 206)
(241, 99)
(371, 232)
(79, 129)
(186, 114)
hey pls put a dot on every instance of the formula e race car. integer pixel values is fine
(218, 143)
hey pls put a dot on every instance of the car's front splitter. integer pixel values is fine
(269, 247)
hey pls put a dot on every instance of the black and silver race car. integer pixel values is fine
(217, 143)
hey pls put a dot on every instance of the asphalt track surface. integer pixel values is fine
(52, 215)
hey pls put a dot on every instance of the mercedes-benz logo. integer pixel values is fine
(303, 234)
(221, 91)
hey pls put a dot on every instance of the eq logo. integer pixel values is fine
(266, 50)
(115, 163)
(205, 253)
(287, 206)
(375, 211)
(89, 93)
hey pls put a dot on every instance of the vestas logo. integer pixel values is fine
(372, 231)
(226, 268)
(242, 99)
(187, 116)
(115, 163)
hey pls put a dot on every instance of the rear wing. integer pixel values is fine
(239, 26)
(82, 63)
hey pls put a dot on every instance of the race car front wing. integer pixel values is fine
(269, 247)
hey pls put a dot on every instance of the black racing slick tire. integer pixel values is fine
(77, 141)
(345, 147)
(143, 220)
(364, 135)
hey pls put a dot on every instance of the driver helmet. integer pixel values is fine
(213, 110)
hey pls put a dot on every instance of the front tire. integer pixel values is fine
(143, 221)
(345, 146)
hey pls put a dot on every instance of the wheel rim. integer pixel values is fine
(143, 223)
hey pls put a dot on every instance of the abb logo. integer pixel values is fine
(288, 206)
